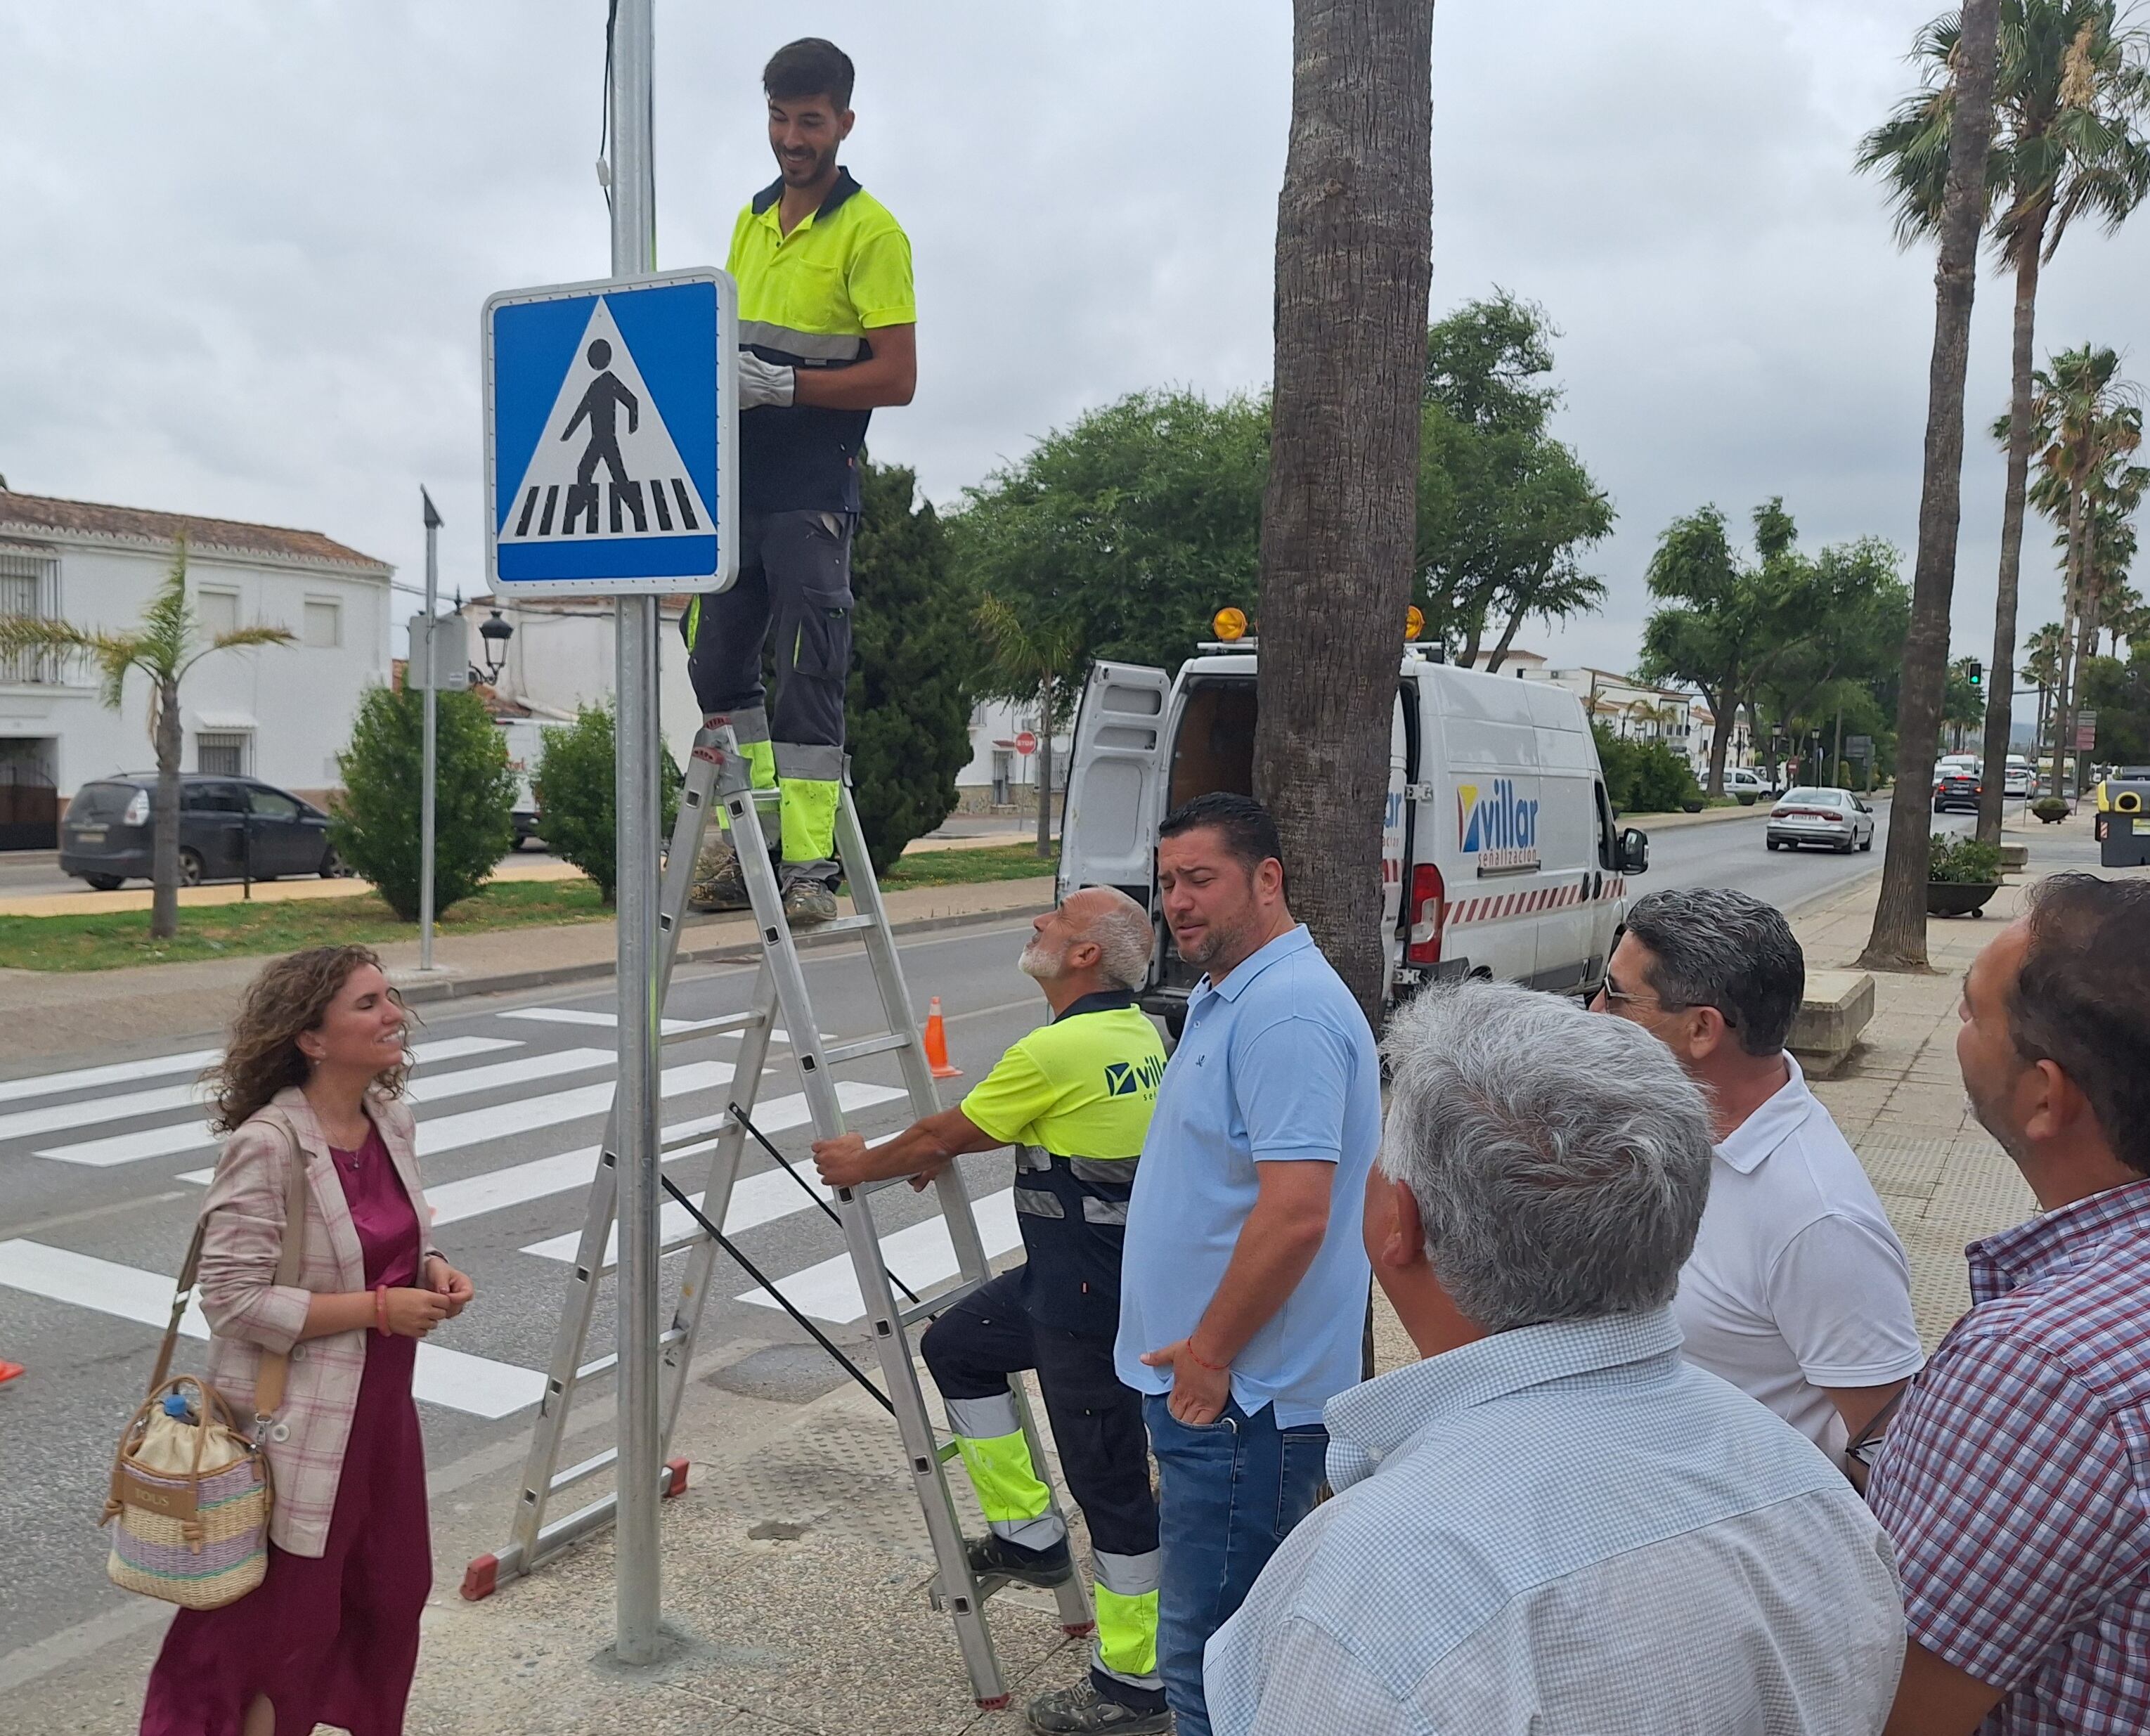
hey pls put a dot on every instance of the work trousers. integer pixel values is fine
(794, 580)
(1229, 1492)
(1098, 1425)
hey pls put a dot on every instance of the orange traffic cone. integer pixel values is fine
(10, 1370)
(936, 1043)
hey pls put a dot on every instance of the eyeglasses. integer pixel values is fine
(1615, 997)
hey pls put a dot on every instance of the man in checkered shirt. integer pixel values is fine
(1554, 1522)
(2015, 1483)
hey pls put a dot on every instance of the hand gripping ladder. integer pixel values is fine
(779, 994)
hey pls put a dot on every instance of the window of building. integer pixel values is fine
(223, 752)
(29, 585)
(218, 611)
(324, 623)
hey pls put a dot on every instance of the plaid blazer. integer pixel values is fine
(248, 1312)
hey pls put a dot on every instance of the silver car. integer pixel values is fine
(1833, 817)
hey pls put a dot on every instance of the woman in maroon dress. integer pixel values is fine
(313, 1074)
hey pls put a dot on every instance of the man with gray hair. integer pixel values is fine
(1798, 1293)
(1074, 1098)
(1553, 1521)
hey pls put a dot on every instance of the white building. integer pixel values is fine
(560, 657)
(999, 778)
(1636, 710)
(278, 713)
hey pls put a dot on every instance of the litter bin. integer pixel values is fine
(2123, 823)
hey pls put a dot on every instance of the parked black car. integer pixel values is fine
(105, 837)
(1955, 789)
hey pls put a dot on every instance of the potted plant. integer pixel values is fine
(2051, 808)
(1962, 875)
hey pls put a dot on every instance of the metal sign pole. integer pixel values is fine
(636, 1638)
(426, 798)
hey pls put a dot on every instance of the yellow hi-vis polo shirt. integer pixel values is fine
(1074, 1098)
(809, 299)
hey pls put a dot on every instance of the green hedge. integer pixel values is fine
(1643, 777)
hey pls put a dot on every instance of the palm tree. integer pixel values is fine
(2127, 616)
(163, 647)
(2042, 663)
(2088, 423)
(2074, 80)
(1899, 937)
(1032, 660)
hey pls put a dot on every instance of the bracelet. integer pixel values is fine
(380, 1309)
(1199, 1361)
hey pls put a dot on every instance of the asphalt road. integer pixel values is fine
(100, 1178)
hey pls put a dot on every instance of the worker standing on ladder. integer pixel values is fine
(827, 326)
(1074, 1098)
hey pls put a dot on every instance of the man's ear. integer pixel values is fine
(1269, 877)
(2051, 1103)
(1705, 1032)
(1084, 955)
(1402, 1238)
(844, 125)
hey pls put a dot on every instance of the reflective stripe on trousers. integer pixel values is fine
(1016, 1504)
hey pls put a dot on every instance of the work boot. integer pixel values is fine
(720, 882)
(808, 904)
(994, 1554)
(1081, 1707)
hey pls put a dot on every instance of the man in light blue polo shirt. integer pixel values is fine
(1243, 1282)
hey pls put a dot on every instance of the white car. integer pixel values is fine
(1747, 784)
(1834, 817)
(2018, 780)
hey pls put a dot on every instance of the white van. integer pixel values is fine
(524, 738)
(1499, 855)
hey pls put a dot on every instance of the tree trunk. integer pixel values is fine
(1472, 640)
(1722, 717)
(2064, 708)
(1353, 268)
(2000, 695)
(1507, 638)
(165, 827)
(2087, 615)
(1898, 938)
(1044, 768)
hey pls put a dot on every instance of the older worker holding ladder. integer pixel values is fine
(1074, 1098)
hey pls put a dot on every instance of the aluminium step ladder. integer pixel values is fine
(780, 995)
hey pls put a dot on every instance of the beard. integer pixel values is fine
(1039, 962)
(1988, 1116)
(806, 177)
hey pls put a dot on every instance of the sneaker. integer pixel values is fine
(808, 904)
(994, 1554)
(719, 882)
(1081, 1707)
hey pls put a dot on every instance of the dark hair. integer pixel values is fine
(811, 66)
(1716, 947)
(1248, 834)
(2081, 1000)
(262, 1055)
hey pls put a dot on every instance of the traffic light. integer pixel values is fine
(1977, 676)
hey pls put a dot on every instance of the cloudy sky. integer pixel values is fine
(245, 244)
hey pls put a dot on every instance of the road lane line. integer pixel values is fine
(476, 1386)
(922, 1256)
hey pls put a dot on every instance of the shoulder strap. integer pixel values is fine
(290, 1259)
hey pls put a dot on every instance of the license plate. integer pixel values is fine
(89, 834)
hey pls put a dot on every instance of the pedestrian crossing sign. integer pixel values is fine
(610, 412)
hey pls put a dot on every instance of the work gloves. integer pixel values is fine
(762, 382)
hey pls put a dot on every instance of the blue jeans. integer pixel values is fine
(1227, 1493)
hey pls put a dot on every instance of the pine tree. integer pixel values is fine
(918, 667)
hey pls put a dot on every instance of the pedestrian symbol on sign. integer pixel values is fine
(607, 432)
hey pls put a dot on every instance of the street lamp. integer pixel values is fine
(496, 632)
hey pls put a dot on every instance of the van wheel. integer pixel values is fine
(1772, 843)
(103, 882)
(190, 868)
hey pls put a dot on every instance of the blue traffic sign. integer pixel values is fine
(609, 412)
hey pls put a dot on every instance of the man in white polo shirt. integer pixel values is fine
(1798, 1292)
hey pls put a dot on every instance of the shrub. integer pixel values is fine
(1964, 861)
(1643, 777)
(575, 783)
(373, 823)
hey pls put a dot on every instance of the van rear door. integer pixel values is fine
(1116, 773)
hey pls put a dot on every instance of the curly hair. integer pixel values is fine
(262, 1054)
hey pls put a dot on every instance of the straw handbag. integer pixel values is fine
(191, 1492)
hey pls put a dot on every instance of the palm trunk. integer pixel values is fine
(2000, 696)
(1899, 937)
(2087, 617)
(164, 828)
(2064, 708)
(1354, 267)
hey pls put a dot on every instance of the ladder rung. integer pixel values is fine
(605, 1363)
(939, 1304)
(589, 1467)
(711, 1027)
(858, 1051)
(830, 931)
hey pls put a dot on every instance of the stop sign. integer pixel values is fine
(1026, 744)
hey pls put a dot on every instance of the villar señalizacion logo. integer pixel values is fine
(1499, 832)
(1125, 1078)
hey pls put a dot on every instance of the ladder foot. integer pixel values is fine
(998, 1703)
(1081, 1630)
(481, 1577)
(675, 1478)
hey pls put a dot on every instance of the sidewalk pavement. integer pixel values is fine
(54, 1014)
(796, 1564)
